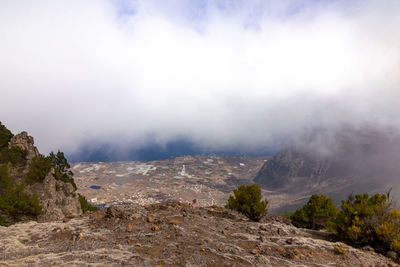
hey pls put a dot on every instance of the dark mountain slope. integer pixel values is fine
(336, 163)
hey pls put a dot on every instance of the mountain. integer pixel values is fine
(336, 164)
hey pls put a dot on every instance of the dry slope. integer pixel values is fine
(174, 234)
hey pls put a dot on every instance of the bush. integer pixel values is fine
(372, 221)
(38, 169)
(61, 168)
(15, 155)
(318, 211)
(15, 203)
(5, 179)
(5, 136)
(247, 200)
(85, 205)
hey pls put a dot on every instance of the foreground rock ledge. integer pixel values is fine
(174, 234)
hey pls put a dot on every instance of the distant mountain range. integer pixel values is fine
(108, 152)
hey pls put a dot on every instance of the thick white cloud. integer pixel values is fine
(221, 73)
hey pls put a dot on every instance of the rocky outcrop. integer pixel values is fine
(25, 142)
(177, 235)
(57, 198)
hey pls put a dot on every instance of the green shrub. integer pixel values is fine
(5, 136)
(359, 216)
(61, 167)
(85, 205)
(5, 179)
(15, 203)
(38, 169)
(247, 200)
(318, 211)
(3, 221)
(372, 221)
(15, 155)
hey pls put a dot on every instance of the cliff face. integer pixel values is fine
(57, 198)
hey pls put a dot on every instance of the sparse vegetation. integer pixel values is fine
(363, 220)
(85, 205)
(318, 211)
(5, 136)
(5, 179)
(61, 167)
(247, 200)
(15, 155)
(38, 169)
(14, 203)
(366, 220)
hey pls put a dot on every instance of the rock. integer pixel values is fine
(155, 228)
(263, 227)
(173, 221)
(367, 248)
(340, 249)
(290, 241)
(392, 255)
(149, 219)
(129, 227)
(255, 251)
(24, 141)
(115, 212)
(138, 245)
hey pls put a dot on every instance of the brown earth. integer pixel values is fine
(175, 234)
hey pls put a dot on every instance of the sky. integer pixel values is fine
(241, 76)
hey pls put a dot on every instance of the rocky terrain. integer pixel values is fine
(175, 234)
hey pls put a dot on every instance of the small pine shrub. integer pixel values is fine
(318, 211)
(247, 200)
(15, 155)
(3, 221)
(61, 167)
(5, 179)
(5, 136)
(38, 169)
(355, 222)
(15, 203)
(85, 205)
(366, 220)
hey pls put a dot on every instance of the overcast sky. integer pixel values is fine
(222, 74)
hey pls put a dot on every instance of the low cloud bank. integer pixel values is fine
(225, 75)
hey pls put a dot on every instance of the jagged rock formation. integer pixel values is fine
(57, 198)
(175, 234)
(25, 142)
